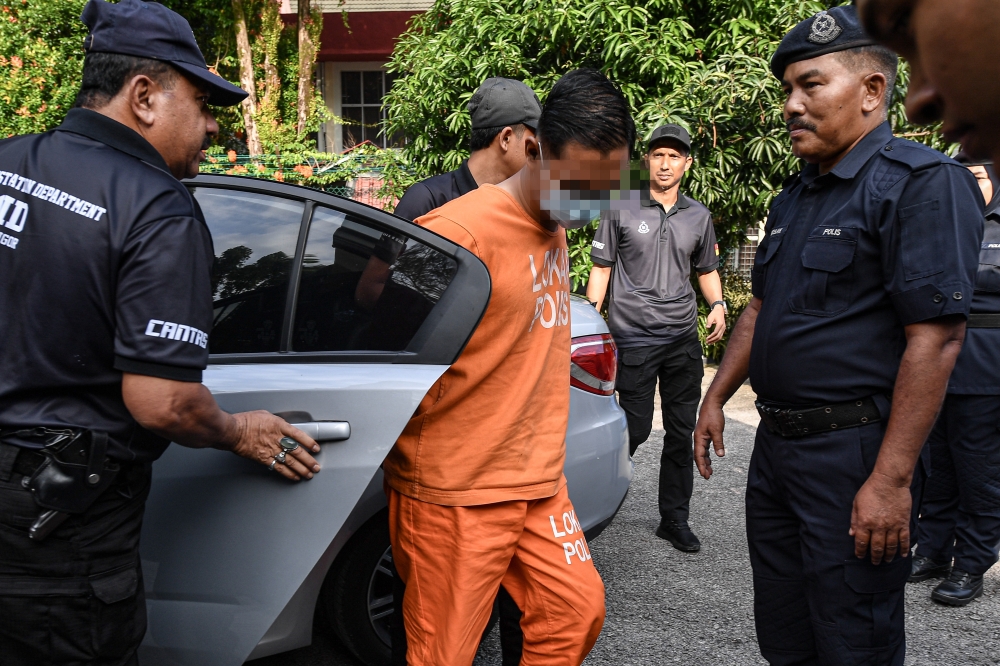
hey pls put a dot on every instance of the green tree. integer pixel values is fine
(41, 56)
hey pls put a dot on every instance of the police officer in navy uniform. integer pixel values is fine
(960, 512)
(105, 312)
(861, 290)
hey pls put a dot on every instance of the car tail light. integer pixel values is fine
(593, 364)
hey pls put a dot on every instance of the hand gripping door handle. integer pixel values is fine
(326, 431)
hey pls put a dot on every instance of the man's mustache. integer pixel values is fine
(206, 143)
(798, 123)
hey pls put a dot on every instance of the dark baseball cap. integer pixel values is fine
(672, 132)
(829, 31)
(502, 102)
(150, 30)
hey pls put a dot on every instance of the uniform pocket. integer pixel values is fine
(764, 255)
(988, 275)
(114, 586)
(920, 240)
(631, 366)
(828, 285)
(866, 578)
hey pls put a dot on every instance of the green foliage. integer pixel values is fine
(41, 57)
(41, 60)
(337, 174)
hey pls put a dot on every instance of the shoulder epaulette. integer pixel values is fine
(914, 155)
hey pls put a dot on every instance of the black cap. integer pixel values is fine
(829, 31)
(150, 30)
(672, 132)
(502, 102)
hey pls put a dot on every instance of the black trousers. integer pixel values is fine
(960, 514)
(679, 369)
(814, 601)
(76, 598)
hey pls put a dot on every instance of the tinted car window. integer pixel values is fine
(363, 289)
(254, 237)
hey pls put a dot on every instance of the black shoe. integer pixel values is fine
(960, 588)
(924, 568)
(680, 535)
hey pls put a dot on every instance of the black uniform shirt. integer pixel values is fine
(653, 251)
(889, 237)
(977, 371)
(436, 191)
(105, 266)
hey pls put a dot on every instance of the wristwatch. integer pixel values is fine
(725, 308)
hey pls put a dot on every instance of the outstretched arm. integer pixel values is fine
(597, 285)
(711, 288)
(880, 520)
(733, 371)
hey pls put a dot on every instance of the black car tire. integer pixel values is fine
(358, 572)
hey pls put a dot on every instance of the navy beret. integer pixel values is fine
(150, 30)
(830, 31)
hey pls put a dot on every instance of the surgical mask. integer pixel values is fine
(571, 209)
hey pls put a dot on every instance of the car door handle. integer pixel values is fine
(326, 431)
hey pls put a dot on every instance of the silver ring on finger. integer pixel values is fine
(270, 467)
(288, 444)
(280, 458)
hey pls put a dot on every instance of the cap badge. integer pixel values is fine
(824, 29)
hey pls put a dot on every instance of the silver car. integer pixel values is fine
(338, 317)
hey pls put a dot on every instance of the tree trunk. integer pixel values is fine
(308, 35)
(247, 78)
(270, 30)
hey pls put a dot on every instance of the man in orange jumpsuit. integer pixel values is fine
(476, 491)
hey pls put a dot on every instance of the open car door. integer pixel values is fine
(339, 318)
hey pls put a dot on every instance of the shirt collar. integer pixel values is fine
(848, 167)
(647, 200)
(110, 132)
(463, 178)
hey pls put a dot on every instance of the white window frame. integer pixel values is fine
(332, 96)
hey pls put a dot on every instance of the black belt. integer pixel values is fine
(983, 321)
(802, 422)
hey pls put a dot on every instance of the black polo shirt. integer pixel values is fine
(977, 371)
(105, 267)
(653, 252)
(889, 237)
(436, 191)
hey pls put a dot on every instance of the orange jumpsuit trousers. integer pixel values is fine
(454, 558)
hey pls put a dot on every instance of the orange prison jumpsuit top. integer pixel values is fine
(475, 485)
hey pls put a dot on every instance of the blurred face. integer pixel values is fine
(667, 161)
(952, 48)
(983, 178)
(576, 185)
(181, 126)
(829, 107)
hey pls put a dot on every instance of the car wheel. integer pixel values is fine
(357, 594)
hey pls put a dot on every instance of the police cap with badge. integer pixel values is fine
(830, 31)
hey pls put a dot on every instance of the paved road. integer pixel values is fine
(667, 607)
